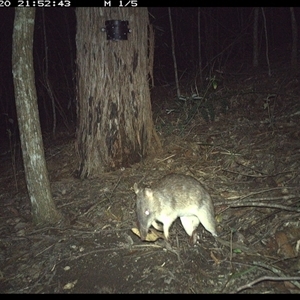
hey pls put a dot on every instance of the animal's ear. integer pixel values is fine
(135, 187)
(149, 193)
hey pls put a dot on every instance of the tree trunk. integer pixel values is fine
(267, 40)
(209, 37)
(199, 45)
(255, 38)
(43, 208)
(173, 53)
(115, 126)
(294, 39)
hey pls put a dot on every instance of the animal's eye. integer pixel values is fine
(147, 212)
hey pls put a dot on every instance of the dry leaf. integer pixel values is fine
(284, 246)
(70, 285)
(152, 236)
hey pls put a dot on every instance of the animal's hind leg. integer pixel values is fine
(189, 223)
(207, 219)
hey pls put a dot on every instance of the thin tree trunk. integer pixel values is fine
(295, 38)
(43, 208)
(173, 54)
(255, 38)
(267, 41)
(199, 45)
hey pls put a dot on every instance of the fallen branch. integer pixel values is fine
(266, 278)
(255, 204)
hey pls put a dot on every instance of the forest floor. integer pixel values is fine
(242, 143)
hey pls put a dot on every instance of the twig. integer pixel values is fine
(284, 198)
(255, 176)
(163, 159)
(264, 278)
(46, 274)
(239, 200)
(232, 245)
(255, 204)
(275, 271)
(116, 185)
(265, 191)
(44, 250)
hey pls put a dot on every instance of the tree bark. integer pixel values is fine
(115, 127)
(43, 208)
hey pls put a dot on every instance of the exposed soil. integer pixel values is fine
(245, 148)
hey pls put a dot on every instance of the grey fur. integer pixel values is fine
(174, 196)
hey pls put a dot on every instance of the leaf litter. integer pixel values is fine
(248, 159)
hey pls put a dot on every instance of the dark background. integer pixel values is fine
(227, 44)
